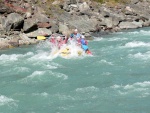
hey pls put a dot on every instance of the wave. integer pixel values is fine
(36, 73)
(60, 75)
(98, 39)
(21, 69)
(141, 32)
(14, 57)
(41, 55)
(64, 97)
(118, 39)
(138, 84)
(105, 62)
(6, 101)
(139, 88)
(43, 76)
(136, 44)
(141, 56)
(87, 89)
(44, 94)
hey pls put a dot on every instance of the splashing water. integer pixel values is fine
(114, 80)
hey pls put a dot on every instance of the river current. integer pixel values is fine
(116, 79)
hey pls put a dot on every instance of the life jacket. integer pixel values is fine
(52, 40)
(75, 35)
(83, 41)
(84, 47)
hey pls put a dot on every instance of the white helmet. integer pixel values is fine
(58, 37)
(75, 30)
(82, 36)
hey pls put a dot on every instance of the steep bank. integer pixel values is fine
(21, 22)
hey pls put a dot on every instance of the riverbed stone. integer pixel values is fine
(40, 32)
(29, 25)
(127, 25)
(13, 21)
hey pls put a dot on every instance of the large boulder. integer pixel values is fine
(146, 23)
(13, 21)
(110, 22)
(139, 24)
(25, 40)
(83, 23)
(55, 28)
(141, 11)
(44, 25)
(84, 6)
(128, 25)
(63, 28)
(41, 18)
(4, 9)
(39, 32)
(3, 44)
(14, 42)
(29, 25)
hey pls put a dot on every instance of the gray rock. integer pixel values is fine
(54, 29)
(3, 44)
(13, 21)
(5, 24)
(23, 36)
(14, 43)
(139, 24)
(141, 12)
(41, 18)
(63, 28)
(134, 1)
(16, 19)
(29, 25)
(28, 15)
(64, 17)
(83, 23)
(25, 40)
(127, 25)
(109, 22)
(0, 19)
(146, 23)
(39, 32)
(84, 6)
(73, 1)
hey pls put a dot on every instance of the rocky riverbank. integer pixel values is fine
(21, 22)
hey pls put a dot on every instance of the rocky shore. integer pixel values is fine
(22, 21)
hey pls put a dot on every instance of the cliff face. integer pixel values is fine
(22, 21)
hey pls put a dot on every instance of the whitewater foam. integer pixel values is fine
(97, 39)
(44, 94)
(6, 101)
(36, 73)
(140, 56)
(87, 89)
(12, 57)
(60, 75)
(134, 44)
(21, 69)
(118, 39)
(139, 87)
(105, 62)
(41, 55)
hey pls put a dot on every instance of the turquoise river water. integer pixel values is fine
(116, 79)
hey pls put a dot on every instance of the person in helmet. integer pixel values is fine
(75, 35)
(84, 44)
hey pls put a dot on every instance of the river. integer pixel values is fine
(116, 79)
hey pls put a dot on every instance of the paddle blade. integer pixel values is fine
(41, 37)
